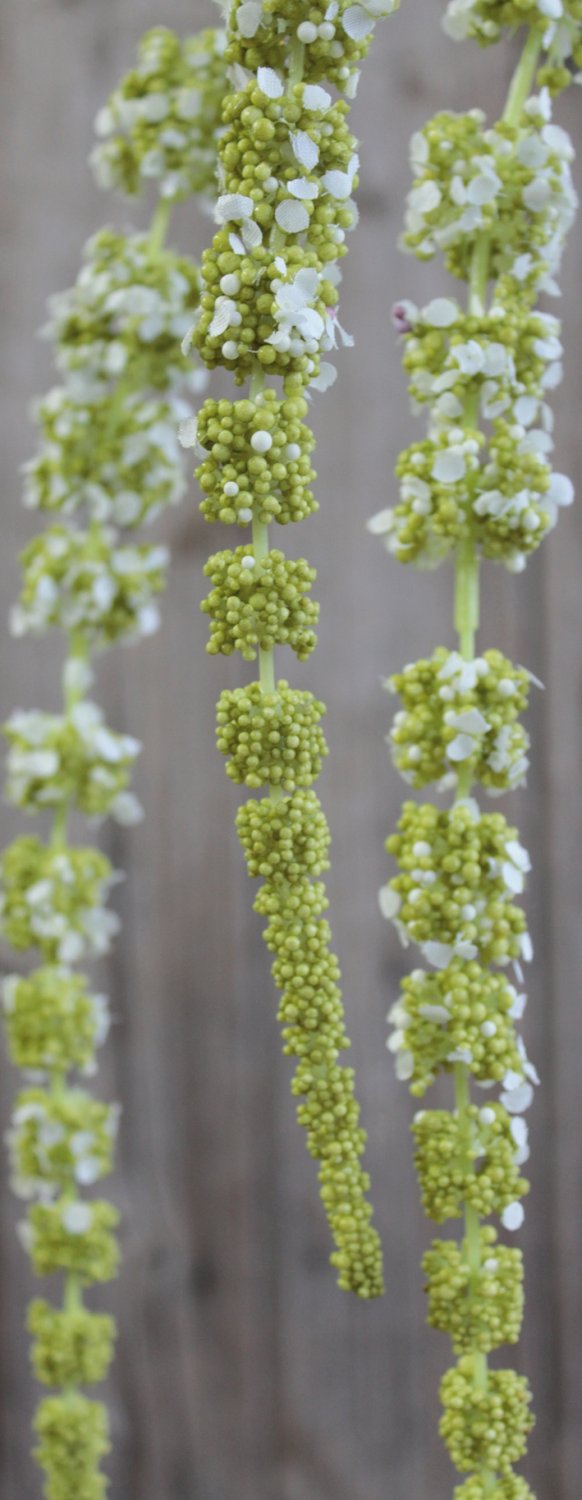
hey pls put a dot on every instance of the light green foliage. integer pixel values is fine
(52, 899)
(479, 1309)
(485, 1428)
(73, 1236)
(71, 1347)
(73, 758)
(81, 580)
(256, 460)
(162, 122)
(53, 1021)
(60, 1140)
(457, 713)
(470, 1160)
(271, 738)
(73, 1436)
(458, 872)
(259, 603)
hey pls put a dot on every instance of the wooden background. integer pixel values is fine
(241, 1370)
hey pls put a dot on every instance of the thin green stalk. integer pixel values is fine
(467, 601)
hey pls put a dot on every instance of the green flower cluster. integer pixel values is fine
(458, 872)
(335, 35)
(60, 1140)
(108, 459)
(467, 1160)
(72, 1347)
(83, 581)
(259, 603)
(52, 1020)
(497, 202)
(287, 842)
(162, 123)
(73, 1437)
(480, 1309)
(52, 899)
(128, 311)
(458, 713)
(71, 759)
(486, 1429)
(461, 1014)
(287, 170)
(271, 739)
(256, 460)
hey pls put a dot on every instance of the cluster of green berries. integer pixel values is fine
(122, 466)
(71, 759)
(73, 1236)
(259, 603)
(127, 313)
(460, 1014)
(289, 848)
(485, 1428)
(52, 899)
(457, 713)
(52, 1020)
(271, 739)
(73, 1437)
(479, 1309)
(261, 307)
(285, 841)
(82, 581)
(469, 1159)
(71, 1347)
(256, 460)
(511, 1487)
(513, 183)
(458, 873)
(335, 36)
(163, 121)
(485, 21)
(60, 1140)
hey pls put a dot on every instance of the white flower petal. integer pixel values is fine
(270, 83)
(442, 312)
(292, 217)
(513, 1216)
(305, 151)
(248, 18)
(357, 23)
(389, 902)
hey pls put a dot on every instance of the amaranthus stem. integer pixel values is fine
(467, 592)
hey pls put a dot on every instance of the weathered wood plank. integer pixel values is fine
(239, 1363)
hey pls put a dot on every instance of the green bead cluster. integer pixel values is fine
(129, 310)
(256, 460)
(82, 580)
(60, 1140)
(287, 170)
(52, 1020)
(71, 1347)
(469, 1160)
(457, 713)
(74, 758)
(480, 1309)
(109, 458)
(459, 870)
(271, 738)
(73, 1437)
(335, 36)
(463, 1013)
(259, 603)
(53, 898)
(497, 202)
(486, 1429)
(162, 123)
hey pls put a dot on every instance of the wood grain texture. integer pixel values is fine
(241, 1369)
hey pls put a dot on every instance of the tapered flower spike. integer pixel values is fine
(109, 459)
(497, 202)
(288, 168)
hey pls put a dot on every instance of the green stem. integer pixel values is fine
(467, 599)
(160, 225)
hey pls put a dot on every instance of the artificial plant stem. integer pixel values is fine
(160, 224)
(467, 591)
